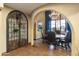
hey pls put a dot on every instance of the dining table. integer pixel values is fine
(61, 36)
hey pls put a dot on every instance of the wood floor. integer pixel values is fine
(38, 50)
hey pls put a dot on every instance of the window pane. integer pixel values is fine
(57, 24)
(63, 25)
(52, 25)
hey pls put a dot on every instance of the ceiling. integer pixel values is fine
(24, 7)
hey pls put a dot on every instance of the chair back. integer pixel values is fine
(68, 37)
(51, 37)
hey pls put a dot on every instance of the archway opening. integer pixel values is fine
(52, 21)
(17, 30)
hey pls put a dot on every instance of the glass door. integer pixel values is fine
(17, 35)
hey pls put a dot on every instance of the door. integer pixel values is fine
(17, 30)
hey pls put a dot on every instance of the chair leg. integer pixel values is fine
(56, 46)
(69, 46)
(66, 46)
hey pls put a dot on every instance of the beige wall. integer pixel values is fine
(69, 10)
(4, 13)
(1, 6)
(40, 17)
(75, 21)
(29, 29)
(0, 32)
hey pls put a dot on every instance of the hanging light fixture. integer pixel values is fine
(54, 15)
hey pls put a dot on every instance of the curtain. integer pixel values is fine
(47, 21)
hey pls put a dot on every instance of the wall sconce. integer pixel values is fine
(1, 6)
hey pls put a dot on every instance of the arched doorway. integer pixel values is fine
(17, 30)
(61, 9)
(51, 20)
